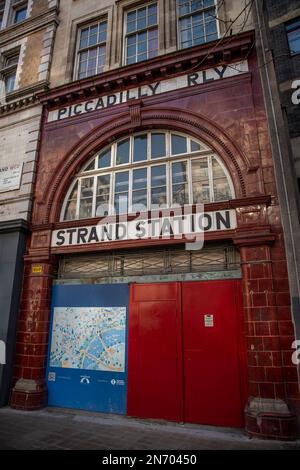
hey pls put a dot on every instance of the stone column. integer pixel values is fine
(30, 389)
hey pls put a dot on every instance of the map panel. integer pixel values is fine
(91, 338)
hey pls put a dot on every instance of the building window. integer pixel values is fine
(19, 11)
(2, 8)
(9, 70)
(141, 41)
(92, 49)
(293, 34)
(148, 170)
(197, 22)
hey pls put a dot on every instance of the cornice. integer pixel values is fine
(173, 64)
(18, 225)
(16, 32)
(22, 98)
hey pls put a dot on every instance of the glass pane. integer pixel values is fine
(141, 23)
(74, 192)
(83, 41)
(131, 26)
(102, 205)
(158, 186)
(131, 40)
(21, 14)
(140, 148)
(121, 192)
(158, 176)
(121, 203)
(179, 172)
(141, 13)
(139, 178)
(10, 82)
(139, 200)
(142, 37)
(179, 144)
(123, 152)
(104, 159)
(141, 57)
(103, 185)
(180, 194)
(196, 5)
(221, 186)
(90, 166)
(200, 181)
(142, 47)
(70, 212)
(294, 41)
(87, 186)
(158, 197)
(194, 146)
(121, 181)
(85, 209)
(179, 182)
(158, 145)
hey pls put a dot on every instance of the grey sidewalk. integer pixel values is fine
(65, 429)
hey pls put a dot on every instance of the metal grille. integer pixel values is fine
(147, 262)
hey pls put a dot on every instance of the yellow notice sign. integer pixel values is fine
(37, 269)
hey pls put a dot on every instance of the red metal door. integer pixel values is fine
(186, 352)
(154, 387)
(213, 385)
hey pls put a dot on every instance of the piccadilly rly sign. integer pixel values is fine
(176, 83)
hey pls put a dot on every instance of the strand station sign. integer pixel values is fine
(153, 89)
(190, 227)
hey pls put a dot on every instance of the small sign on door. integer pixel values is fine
(208, 320)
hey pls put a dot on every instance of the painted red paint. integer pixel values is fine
(212, 368)
(178, 368)
(153, 388)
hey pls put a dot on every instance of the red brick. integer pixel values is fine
(274, 374)
(286, 328)
(259, 300)
(279, 390)
(277, 358)
(264, 358)
(271, 343)
(292, 389)
(290, 374)
(262, 329)
(283, 298)
(267, 390)
(256, 374)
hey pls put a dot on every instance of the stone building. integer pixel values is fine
(155, 108)
(27, 30)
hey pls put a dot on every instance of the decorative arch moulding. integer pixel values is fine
(159, 118)
(170, 65)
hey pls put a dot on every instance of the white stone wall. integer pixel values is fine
(76, 12)
(19, 138)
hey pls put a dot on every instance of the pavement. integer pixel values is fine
(61, 429)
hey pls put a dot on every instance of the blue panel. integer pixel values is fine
(87, 357)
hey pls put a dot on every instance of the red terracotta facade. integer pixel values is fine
(227, 114)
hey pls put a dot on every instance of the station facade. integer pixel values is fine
(124, 315)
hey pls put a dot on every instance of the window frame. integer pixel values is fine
(79, 27)
(8, 70)
(295, 28)
(203, 153)
(178, 17)
(125, 35)
(16, 7)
